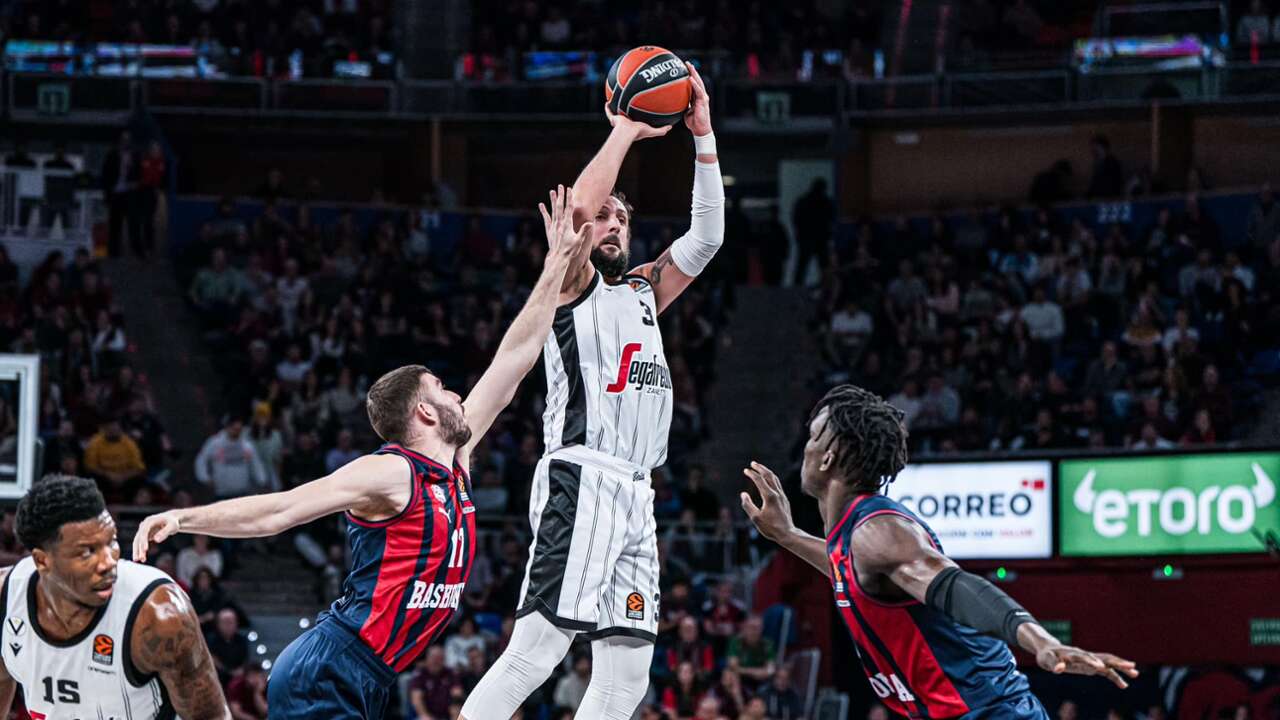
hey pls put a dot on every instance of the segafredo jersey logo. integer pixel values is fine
(1202, 503)
(1177, 510)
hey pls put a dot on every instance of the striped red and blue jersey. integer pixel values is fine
(921, 663)
(408, 571)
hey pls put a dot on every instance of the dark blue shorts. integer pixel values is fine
(328, 673)
(1023, 707)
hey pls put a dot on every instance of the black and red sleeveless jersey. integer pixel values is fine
(408, 571)
(921, 663)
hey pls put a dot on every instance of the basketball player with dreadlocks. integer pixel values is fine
(593, 564)
(931, 637)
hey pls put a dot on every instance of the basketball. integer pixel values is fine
(649, 84)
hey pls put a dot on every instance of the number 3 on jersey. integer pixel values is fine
(890, 685)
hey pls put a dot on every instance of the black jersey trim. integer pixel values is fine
(555, 535)
(535, 605)
(135, 676)
(166, 711)
(621, 632)
(575, 408)
(591, 286)
(33, 612)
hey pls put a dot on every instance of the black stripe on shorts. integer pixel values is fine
(551, 551)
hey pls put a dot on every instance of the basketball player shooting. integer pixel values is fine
(88, 635)
(593, 564)
(411, 524)
(931, 637)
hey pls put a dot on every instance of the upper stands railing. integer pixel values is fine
(29, 96)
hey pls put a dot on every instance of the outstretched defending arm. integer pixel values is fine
(523, 341)
(899, 549)
(166, 641)
(689, 255)
(772, 517)
(369, 486)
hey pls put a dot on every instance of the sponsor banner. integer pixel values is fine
(997, 510)
(1206, 503)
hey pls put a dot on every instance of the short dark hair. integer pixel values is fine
(53, 502)
(869, 434)
(622, 198)
(390, 400)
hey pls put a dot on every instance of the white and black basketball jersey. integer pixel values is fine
(608, 384)
(90, 676)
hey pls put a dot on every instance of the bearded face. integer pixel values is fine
(453, 426)
(610, 258)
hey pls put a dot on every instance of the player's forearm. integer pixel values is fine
(242, 517)
(600, 175)
(1033, 638)
(808, 548)
(517, 352)
(529, 329)
(693, 251)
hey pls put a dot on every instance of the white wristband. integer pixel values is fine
(705, 144)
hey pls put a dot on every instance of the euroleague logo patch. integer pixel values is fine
(635, 606)
(103, 649)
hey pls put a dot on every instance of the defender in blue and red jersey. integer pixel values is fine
(411, 522)
(925, 630)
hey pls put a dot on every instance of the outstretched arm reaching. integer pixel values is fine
(523, 341)
(898, 549)
(166, 641)
(688, 256)
(772, 517)
(372, 486)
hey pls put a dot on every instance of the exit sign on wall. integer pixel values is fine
(1264, 631)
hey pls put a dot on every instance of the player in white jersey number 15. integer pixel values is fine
(88, 635)
(593, 565)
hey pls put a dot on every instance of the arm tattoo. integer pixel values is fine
(167, 642)
(659, 265)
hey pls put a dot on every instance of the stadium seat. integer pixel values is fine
(805, 666)
(779, 626)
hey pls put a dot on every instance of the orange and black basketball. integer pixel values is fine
(650, 85)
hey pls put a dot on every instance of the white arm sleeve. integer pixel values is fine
(692, 251)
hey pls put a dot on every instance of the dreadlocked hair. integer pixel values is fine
(869, 435)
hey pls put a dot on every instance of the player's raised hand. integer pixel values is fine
(639, 130)
(1060, 659)
(698, 117)
(155, 529)
(562, 240)
(773, 515)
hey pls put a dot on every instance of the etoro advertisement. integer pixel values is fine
(1187, 504)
